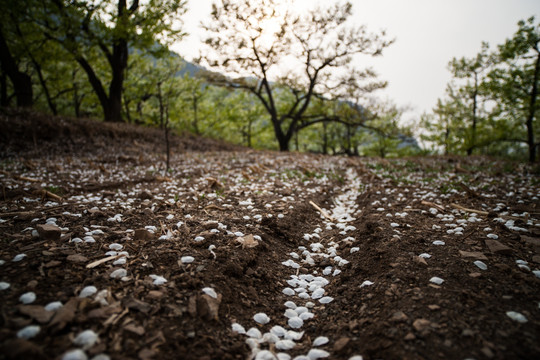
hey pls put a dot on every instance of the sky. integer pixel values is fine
(428, 33)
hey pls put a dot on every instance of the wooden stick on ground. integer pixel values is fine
(459, 207)
(101, 261)
(436, 206)
(322, 211)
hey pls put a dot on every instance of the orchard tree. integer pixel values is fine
(472, 71)
(515, 82)
(112, 27)
(263, 47)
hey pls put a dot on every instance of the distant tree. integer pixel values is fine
(113, 27)
(470, 95)
(515, 81)
(11, 54)
(265, 49)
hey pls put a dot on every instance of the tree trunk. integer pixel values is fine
(532, 108)
(474, 119)
(22, 83)
(325, 139)
(3, 90)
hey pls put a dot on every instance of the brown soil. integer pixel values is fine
(84, 173)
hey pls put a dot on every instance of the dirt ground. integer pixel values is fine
(243, 254)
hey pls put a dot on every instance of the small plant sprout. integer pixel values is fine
(27, 298)
(28, 332)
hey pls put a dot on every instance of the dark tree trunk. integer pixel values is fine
(22, 83)
(325, 139)
(532, 108)
(3, 90)
(474, 118)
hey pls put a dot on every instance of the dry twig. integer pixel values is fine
(322, 211)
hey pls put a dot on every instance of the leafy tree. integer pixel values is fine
(514, 82)
(470, 95)
(271, 51)
(112, 28)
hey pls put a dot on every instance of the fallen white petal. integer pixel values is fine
(27, 298)
(321, 340)
(516, 316)
(261, 318)
(77, 354)
(88, 291)
(86, 339)
(210, 292)
(28, 332)
(436, 280)
(285, 344)
(238, 328)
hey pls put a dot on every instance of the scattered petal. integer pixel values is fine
(210, 292)
(88, 291)
(27, 298)
(516, 317)
(436, 280)
(28, 332)
(261, 318)
(321, 340)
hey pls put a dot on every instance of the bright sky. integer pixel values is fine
(428, 34)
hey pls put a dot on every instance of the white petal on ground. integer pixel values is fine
(254, 333)
(438, 242)
(278, 331)
(238, 328)
(158, 280)
(265, 355)
(4, 285)
(480, 265)
(187, 259)
(86, 339)
(516, 316)
(288, 291)
(269, 338)
(53, 306)
(295, 322)
(290, 313)
(18, 257)
(314, 354)
(118, 273)
(290, 305)
(294, 335)
(436, 280)
(76, 354)
(120, 261)
(424, 255)
(101, 357)
(285, 344)
(326, 300)
(210, 292)
(198, 239)
(356, 357)
(116, 246)
(27, 298)
(28, 332)
(88, 291)
(366, 283)
(317, 294)
(283, 356)
(321, 340)
(261, 318)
